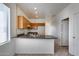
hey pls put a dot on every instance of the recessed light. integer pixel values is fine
(35, 8)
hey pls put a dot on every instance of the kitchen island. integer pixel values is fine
(35, 45)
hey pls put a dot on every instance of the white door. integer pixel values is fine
(76, 33)
(65, 33)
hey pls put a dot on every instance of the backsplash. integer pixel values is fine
(40, 30)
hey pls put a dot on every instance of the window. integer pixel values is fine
(4, 24)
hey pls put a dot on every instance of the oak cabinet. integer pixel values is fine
(35, 25)
(22, 22)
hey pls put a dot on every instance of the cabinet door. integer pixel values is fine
(22, 22)
(25, 23)
(19, 22)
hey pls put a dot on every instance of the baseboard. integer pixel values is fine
(34, 55)
(71, 54)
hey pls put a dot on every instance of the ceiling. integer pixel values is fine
(41, 10)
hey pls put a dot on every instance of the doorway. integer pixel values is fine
(63, 48)
(65, 32)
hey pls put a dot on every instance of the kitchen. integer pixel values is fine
(31, 38)
(34, 29)
(45, 29)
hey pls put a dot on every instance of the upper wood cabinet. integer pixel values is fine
(22, 22)
(33, 25)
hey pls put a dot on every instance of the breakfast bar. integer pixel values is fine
(35, 45)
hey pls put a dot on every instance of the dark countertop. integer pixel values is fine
(38, 37)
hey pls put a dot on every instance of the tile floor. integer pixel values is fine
(62, 51)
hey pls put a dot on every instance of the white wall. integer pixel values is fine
(9, 48)
(51, 26)
(20, 12)
(13, 19)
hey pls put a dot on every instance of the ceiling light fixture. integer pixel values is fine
(35, 8)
